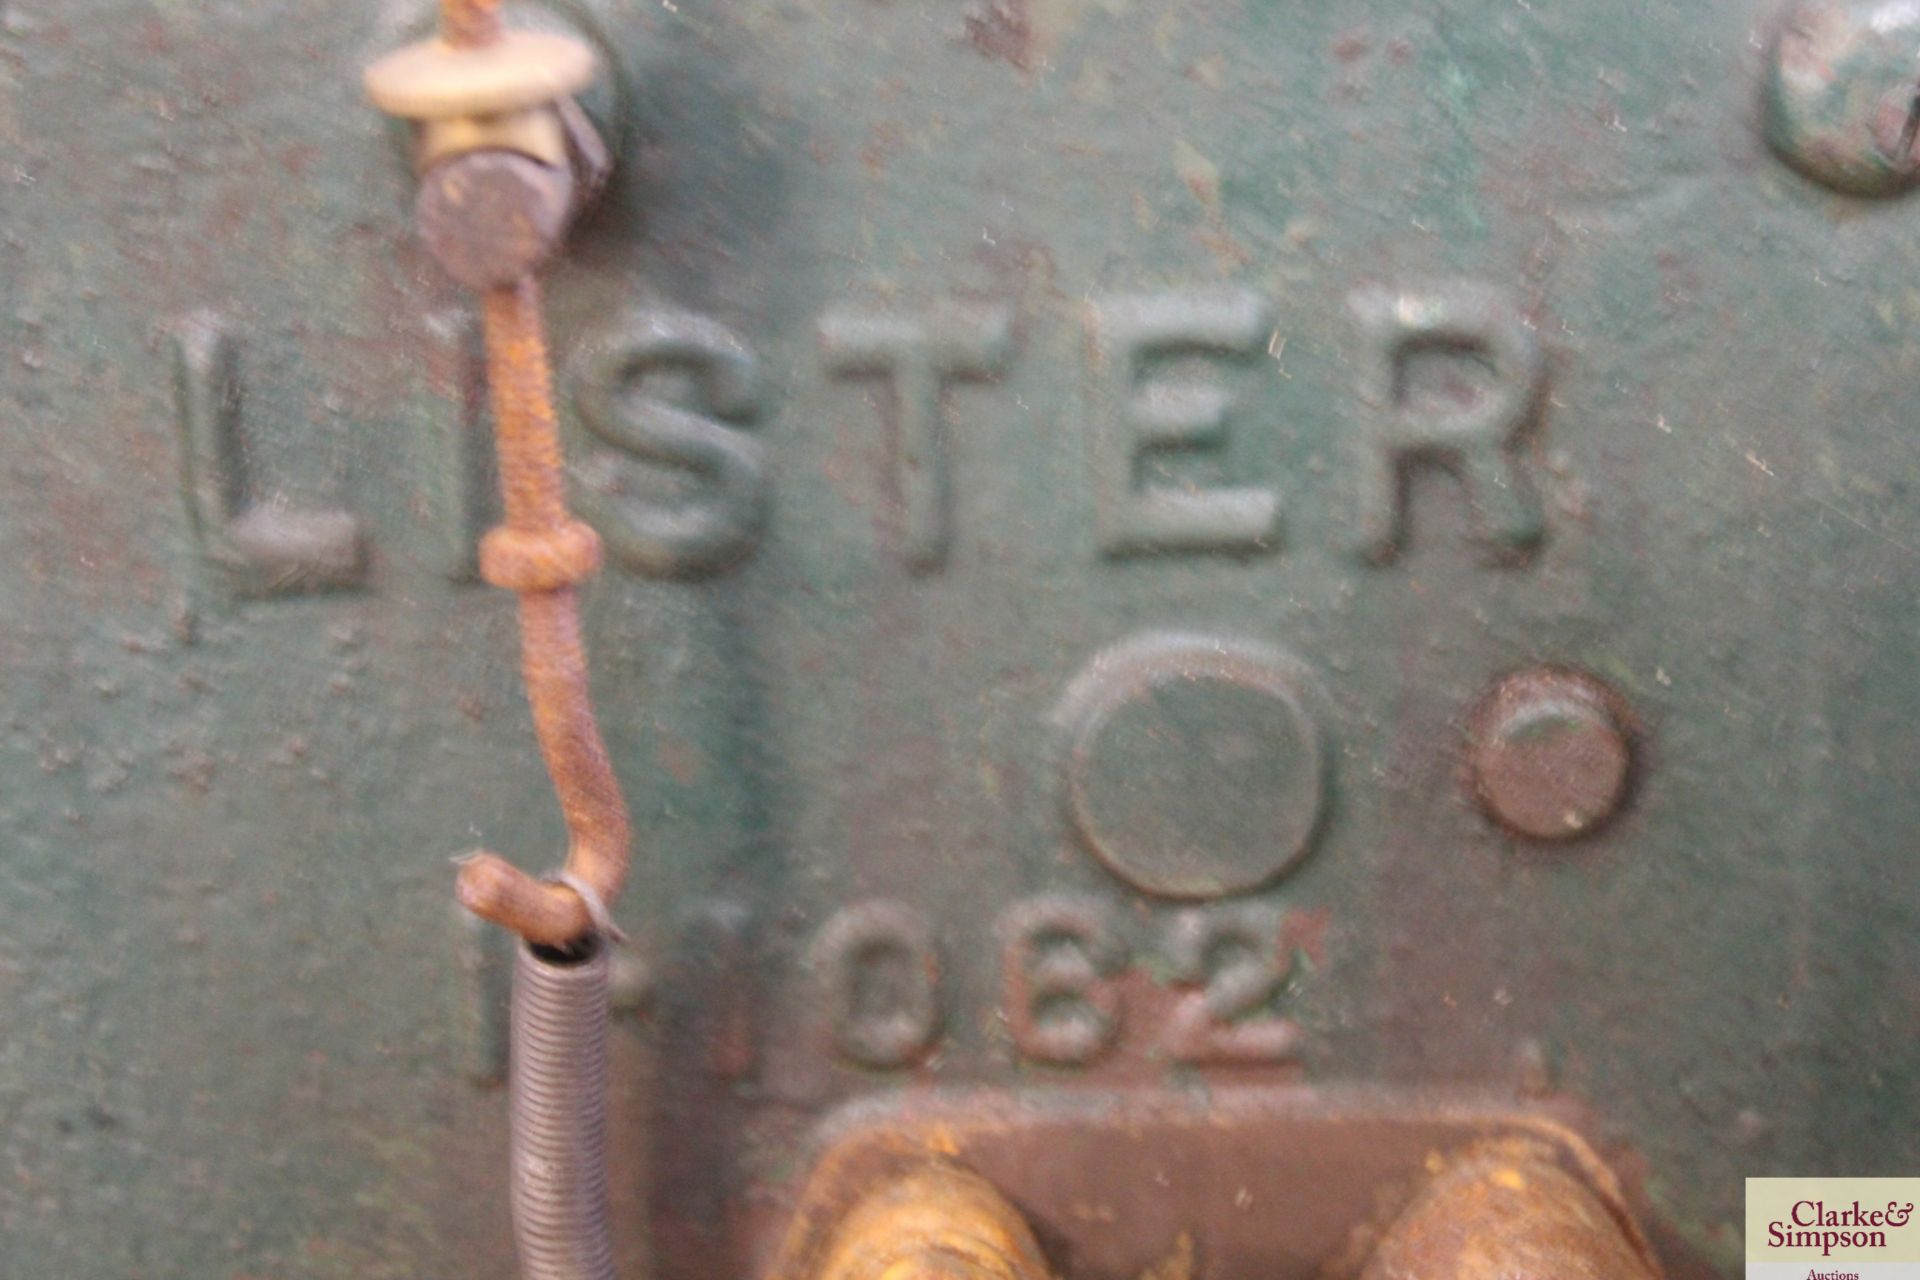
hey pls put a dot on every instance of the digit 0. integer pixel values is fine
(879, 971)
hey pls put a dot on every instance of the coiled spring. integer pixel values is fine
(558, 1087)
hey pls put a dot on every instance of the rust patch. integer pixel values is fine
(1002, 29)
(1351, 46)
(682, 760)
(1306, 932)
(885, 141)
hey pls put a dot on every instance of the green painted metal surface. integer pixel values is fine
(873, 360)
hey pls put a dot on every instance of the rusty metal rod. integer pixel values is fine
(541, 553)
(468, 24)
(540, 543)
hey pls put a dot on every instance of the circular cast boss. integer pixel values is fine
(1550, 753)
(1195, 766)
(1842, 100)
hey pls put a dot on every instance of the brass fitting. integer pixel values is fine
(1505, 1209)
(512, 94)
(936, 1222)
(535, 132)
(435, 80)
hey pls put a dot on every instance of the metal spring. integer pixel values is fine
(558, 1094)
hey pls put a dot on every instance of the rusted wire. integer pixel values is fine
(467, 24)
(542, 552)
(558, 1062)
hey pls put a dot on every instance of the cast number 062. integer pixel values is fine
(1064, 967)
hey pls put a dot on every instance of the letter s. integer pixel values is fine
(719, 520)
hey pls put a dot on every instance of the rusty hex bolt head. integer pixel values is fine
(1550, 754)
(492, 217)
